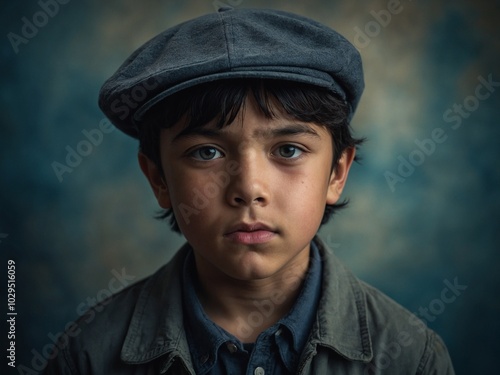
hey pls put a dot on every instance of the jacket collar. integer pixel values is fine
(342, 323)
(157, 327)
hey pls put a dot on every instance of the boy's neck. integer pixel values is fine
(247, 308)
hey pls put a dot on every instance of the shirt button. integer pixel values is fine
(232, 347)
(259, 371)
(278, 332)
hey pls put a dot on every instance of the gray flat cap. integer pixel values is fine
(232, 43)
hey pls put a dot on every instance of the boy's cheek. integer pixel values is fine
(191, 206)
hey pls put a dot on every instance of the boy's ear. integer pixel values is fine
(156, 180)
(339, 174)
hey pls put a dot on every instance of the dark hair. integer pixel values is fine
(220, 101)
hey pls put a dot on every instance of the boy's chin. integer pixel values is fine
(255, 267)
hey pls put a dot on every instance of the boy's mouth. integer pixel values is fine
(250, 233)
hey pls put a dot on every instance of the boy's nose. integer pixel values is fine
(250, 185)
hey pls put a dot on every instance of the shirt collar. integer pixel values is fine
(204, 336)
(156, 327)
(302, 315)
(298, 321)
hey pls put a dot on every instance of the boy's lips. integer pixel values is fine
(250, 233)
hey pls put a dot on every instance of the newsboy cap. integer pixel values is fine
(231, 43)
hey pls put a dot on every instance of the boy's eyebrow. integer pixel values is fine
(289, 129)
(203, 131)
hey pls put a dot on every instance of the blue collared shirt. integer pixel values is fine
(276, 351)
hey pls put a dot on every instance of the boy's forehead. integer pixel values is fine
(242, 43)
(252, 124)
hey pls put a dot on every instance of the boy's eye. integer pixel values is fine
(206, 153)
(289, 151)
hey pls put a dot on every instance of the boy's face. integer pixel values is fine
(249, 197)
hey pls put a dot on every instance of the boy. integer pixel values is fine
(243, 122)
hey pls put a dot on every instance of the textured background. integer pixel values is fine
(441, 223)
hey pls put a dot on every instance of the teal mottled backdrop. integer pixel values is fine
(424, 203)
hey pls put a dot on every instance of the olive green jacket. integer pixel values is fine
(358, 331)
